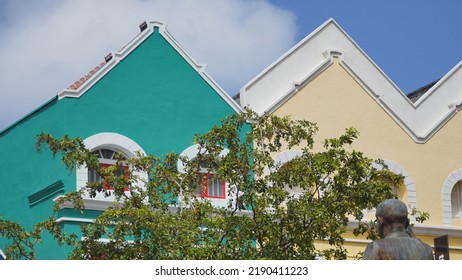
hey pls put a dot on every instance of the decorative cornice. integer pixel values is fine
(307, 59)
(297, 86)
(112, 59)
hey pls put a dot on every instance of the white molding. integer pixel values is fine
(428, 230)
(143, 35)
(88, 203)
(287, 156)
(283, 157)
(306, 59)
(76, 220)
(298, 85)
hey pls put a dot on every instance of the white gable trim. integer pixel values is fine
(297, 86)
(274, 85)
(143, 35)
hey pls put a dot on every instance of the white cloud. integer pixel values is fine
(46, 45)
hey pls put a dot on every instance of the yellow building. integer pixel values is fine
(326, 78)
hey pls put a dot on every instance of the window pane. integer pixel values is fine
(107, 154)
(120, 172)
(93, 176)
(198, 191)
(201, 180)
(456, 199)
(215, 187)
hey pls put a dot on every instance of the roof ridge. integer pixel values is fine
(147, 28)
(86, 77)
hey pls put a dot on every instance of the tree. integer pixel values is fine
(167, 219)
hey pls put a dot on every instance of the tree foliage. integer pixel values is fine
(164, 218)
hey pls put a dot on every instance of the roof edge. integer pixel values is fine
(146, 29)
(420, 120)
(283, 57)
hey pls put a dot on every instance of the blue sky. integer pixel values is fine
(46, 45)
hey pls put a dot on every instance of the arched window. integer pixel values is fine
(456, 200)
(106, 158)
(210, 186)
(105, 146)
(294, 190)
(451, 197)
(280, 161)
(398, 189)
(406, 191)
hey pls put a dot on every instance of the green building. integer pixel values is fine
(150, 96)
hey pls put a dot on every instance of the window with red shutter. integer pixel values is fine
(106, 158)
(211, 186)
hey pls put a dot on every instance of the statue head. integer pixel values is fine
(391, 215)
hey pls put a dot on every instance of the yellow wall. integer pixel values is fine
(335, 101)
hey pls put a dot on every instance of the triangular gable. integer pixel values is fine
(302, 63)
(81, 86)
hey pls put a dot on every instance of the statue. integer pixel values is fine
(397, 241)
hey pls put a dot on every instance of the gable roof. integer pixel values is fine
(307, 59)
(418, 93)
(79, 87)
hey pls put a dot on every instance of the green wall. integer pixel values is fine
(153, 96)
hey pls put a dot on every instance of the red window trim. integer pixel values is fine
(205, 186)
(109, 187)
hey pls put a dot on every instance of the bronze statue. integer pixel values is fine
(396, 242)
